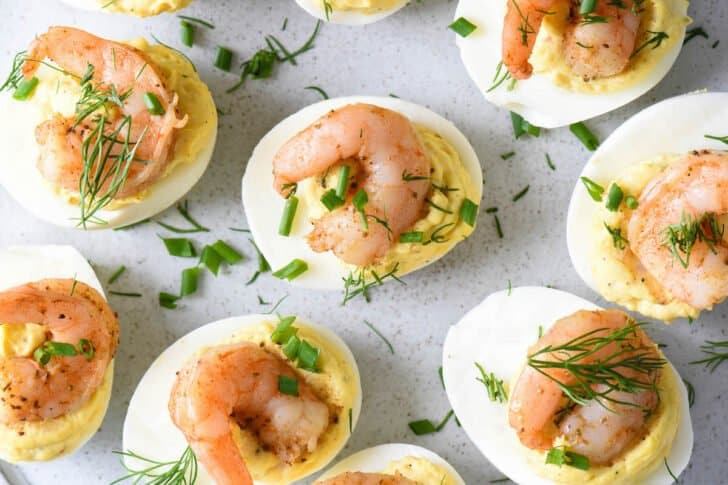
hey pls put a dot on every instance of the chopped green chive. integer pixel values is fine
(587, 7)
(289, 213)
(153, 105)
(580, 130)
(520, 194)
(412, 237)
(342, 184)
(86, 349)
(631, 202)
(292, 270)
(469, 212)
(25, 89)
(318, 90)
(491, 210)
(381, 336)
(308, 356)
(508, 155)
(187, 33)
(184, 212)
(125, 293)
(224, 58)
(284, 330)
(498, 226)
(435, 206)
(360, 201)
(189, 281)
(330, 200)
(211, 259)
(117, 273)
(263, 266)
(351, 419)
(594, 189)
(619, 241)
(722, 139)
(228, 253)
(425, 426)
(614, 197)
(549, 162)
(288, 385)
(168, 300)
(179, 247)
(463, 27)
(48, 349)
(290, 349)
(522, 127)
(195, 20)
(560, 456)
(493, 386)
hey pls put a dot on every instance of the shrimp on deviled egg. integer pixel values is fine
(359, 478)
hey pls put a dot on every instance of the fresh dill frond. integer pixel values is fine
(680, 238)
(179, 472)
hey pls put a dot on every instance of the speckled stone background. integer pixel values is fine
(413, 55)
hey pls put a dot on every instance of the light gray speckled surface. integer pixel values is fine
(413, 55)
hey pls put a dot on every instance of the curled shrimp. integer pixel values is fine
(393, 167)
(116, 68)
(359, 478)
(240, 382)
(596, 45)
(689, 190)
(600, 429)
(70, 311)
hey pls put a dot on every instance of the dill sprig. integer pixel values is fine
(717, 353)
(180, 472)
(680, 238)
(609, 372)
(357, 283)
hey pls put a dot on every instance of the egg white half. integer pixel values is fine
(377, 458)
(148, 427)
(674, 126)
(347, 17)
(264, 206)
(538, 99)
(20, 176)
(497, 334)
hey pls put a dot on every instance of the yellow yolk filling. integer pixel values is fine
(336, 384)
(51, 438)
(143, 8)
(659, 16)
(447, 171)
(363, 6)
(613, 268)
(420, 470)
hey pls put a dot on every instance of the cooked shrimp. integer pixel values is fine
(117, 66)
(70, 311)
(387, 147)
(540, 412)
(592, 49)
(690, 188)
(359, 478)
(240, 382)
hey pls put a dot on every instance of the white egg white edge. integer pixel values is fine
(264, 206)
(24, 182)
(148, 427)
(27, 264)
(92, 5)
(377, 458)
(347, 17)
(497, 334)
(538, 99)
(674, 126)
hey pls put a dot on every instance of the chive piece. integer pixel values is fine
(506, 156)
(614, 197)
(132, 225)
(469, 212)
(491, 210)
(351, 419)
(587, 7)
(330, 200)
(204, 23)
(463, 27)
(189, 281)
(343, 183)
(595, 190)
(412, 237)
(381, 336)
(560, 456)
(318, 90)
(522, 127)
(308, 356)
(580, 130)
(290, 349)
(425, 426)
(211, 259)
(86, 349)
(153, 105)
(168, 300)
(284, 330)
(520, 194)
(25, 89)
(48, 349)
(228, 253)
(442, 379)
(224, 58)
(288, 385)
(125, 293)
(179, 247)
(631, 202)
(549, 162)
(184, 212)
(188, 33)
(117, 273)
(435, 206)
(498, 226)
(360, 201)
(289, 212)
(292, 270)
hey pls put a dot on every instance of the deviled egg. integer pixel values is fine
(248, 398)
(559, 62)
(646, 223)
(411, 464)
(351, 12)
(520, 400)
(58, 338)
(104, 133)
(361, 189)
(138, 8)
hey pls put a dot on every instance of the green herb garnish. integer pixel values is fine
(179, 472)
(463, 27)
